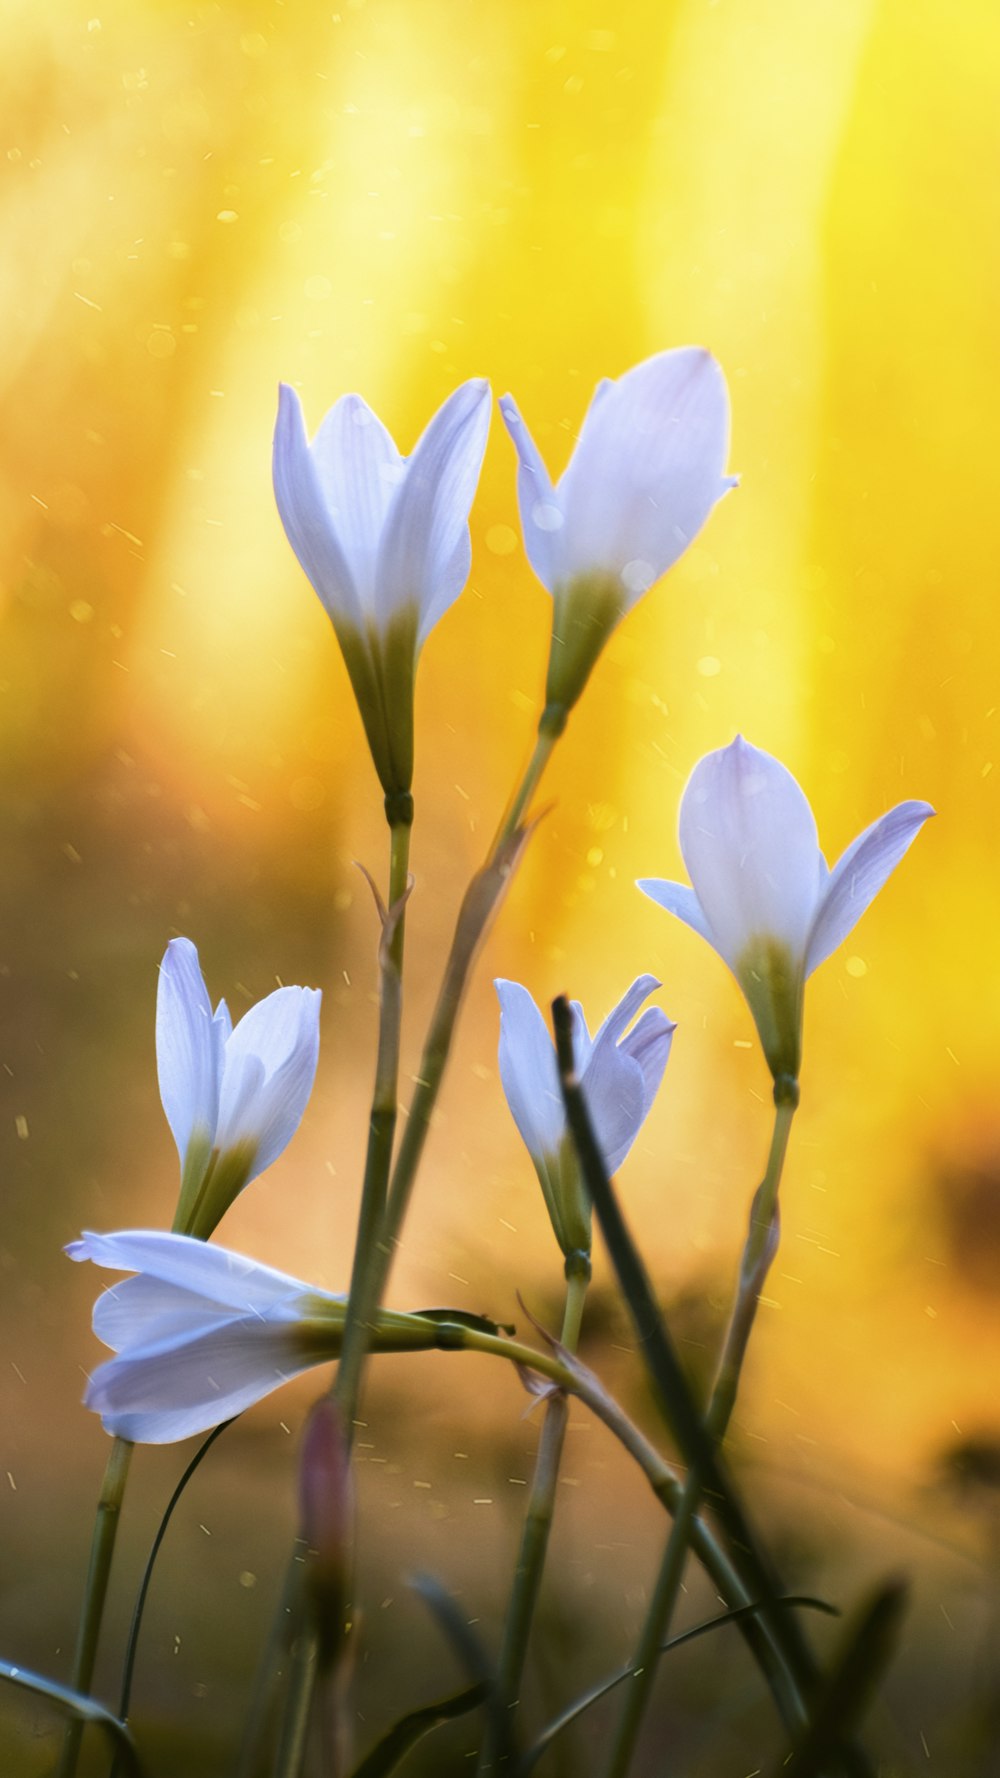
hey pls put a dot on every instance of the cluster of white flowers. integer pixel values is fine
(199, 1333)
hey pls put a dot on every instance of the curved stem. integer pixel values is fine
(761, 1243)
(102, 1549)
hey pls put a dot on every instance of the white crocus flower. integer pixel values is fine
(648, 467)
(762, 893)
(385, 541)
(233, 1097)
(200, 1333)
(620, 1072)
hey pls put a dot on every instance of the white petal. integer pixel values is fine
(678, 899)
(268, 1073)
(618, 1091)
(359, 470)
(621, 1016)
(142, 1311)
(542, 518)
(185, 1386)
(187, 1047)
(648, 468)
(749, 842)
(529, 1071)
(648, 1043)
(308, 524)
(200, 1267)
(614, 1090)
(858, 876)
(425, 552)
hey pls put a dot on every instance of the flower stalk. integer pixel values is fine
(758, 1252)
(539, 1515)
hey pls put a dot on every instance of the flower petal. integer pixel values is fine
(187, 1385)
(359, 470)
(678, 899)
(305, 515)
(623, 1072)
(199, 1267)
(143, 1310)
(648, 468)
(187, 1046)
(268, 1073)
(425, 552)
(529, 1072)
(614, 1090)
(748, 837)
(621, 1016)
(648, 1043)
(859, 874)
(542, 518)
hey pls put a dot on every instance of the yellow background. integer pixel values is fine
(198, 200)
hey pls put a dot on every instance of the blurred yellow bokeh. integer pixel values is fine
(201, 199)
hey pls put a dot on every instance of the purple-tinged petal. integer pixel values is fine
(542, 517)
(648, 469)
(680, 900)
(143, 1310)
(648, 1043)
(621, 1016)
(617, 1079)
(748, 837)
(859, 874)
(270, 1066)
(187, 1385)
(425, 551)
(613, 1088)
(187, 1046)
(198, 1267)
(305, 515)
(529, 1072)
(359, 470)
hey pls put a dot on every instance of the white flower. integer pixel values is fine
(648, 467)
(384, 540)
(762, 894)
(233, 1098)
(619, 1072)
(200, 1334)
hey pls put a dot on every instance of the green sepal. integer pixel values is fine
(774, 984)
(585, 611)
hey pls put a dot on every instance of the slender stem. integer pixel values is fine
(363, 1297)
(538, 1518)
(102, 1549)
(366, 1274)
(298, 1704)
(758, 1251)
(549, 730)
(669, 1490)
(789, 1646)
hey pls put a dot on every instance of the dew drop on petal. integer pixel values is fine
(638, 575)
(546, 516)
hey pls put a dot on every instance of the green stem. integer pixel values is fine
(363, 1297)
(479, 904)
(364, 1292)
(294, 1734)
(761, 1242)
(102, 1550)
(538, 1518)
(549, 729)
